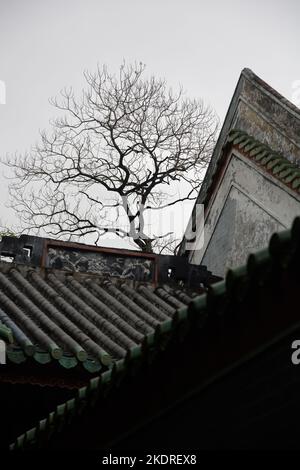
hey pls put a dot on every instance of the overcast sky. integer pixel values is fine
(203, 45)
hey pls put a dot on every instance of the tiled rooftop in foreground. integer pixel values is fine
(98, 308)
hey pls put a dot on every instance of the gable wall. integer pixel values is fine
(247, 207)
(269, 121)
(263, 114)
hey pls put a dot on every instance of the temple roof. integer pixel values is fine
(235, 315)
(78, 318)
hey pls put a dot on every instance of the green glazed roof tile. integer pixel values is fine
(281, 167)
(198, 303)
(251, 146)
(88, 337)
(6, 333)
(68, 362)
(257, 150)
(292, 176)
(288, 171)
(42, 425)
(30, 435)
(234, 275)
(182, 314)
(261, 155)
(42, 357)
(92, 366)
(258, 260)
(233, 134)
(245, 142)
(278, 241)
(274, 162)
(268, 158)
(16, 356)
(249, 275)
(238, 139)
(296, 183)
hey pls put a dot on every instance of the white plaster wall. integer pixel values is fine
(249, 206)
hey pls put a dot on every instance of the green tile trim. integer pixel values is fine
(42, 357)
(257, 150)
(19, 355)
(284, 166)
(6, 333)
(296, 183)
(68, 362)
(15, 356)
(92, 366)
(275, 163)
(292, 175)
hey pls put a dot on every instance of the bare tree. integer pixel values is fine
(114, 155)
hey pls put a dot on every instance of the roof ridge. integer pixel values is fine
(247, 72)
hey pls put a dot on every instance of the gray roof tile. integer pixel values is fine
(73, 319)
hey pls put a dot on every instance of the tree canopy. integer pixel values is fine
(113, 157)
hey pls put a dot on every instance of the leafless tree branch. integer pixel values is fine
(118, 149)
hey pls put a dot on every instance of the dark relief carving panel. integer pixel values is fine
(105, 264)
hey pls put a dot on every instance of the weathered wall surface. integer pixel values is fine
(268, 121)
(249, 206)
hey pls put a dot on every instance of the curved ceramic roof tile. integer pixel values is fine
(30, 327)
(15, 332)
(77, 320)
(273, 162)
(66, 330)
(86, 331)
(130, 304)
(129, 334)
(167, 297)
(160, 303)
(144, 303)
(111, 337)
(127, 315)
(216, 307)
